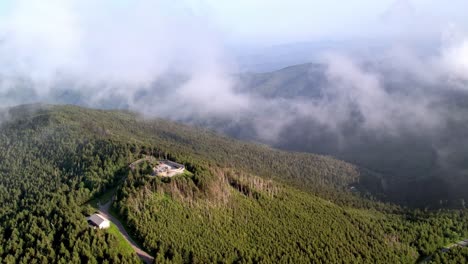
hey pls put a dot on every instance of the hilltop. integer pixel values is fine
(241, 202)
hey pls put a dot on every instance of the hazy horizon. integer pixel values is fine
(179, 60)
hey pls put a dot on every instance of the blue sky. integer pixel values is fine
(299, 20)
(303, 19)
(294, 18)
(4, 6)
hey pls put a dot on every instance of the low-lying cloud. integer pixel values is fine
(162, 59)
(104, 50)
(399, 110)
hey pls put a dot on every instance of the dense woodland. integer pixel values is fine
(46, 173)
(241, 202)
(454, 256)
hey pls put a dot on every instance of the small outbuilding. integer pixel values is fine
(99, 221)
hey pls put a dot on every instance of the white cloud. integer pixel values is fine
(106, 49)
(111, 51)
(455, 60)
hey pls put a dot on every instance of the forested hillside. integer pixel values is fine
(47, 171)
(409, 141)
(241, 202)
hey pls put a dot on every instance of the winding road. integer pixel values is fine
(104, 211)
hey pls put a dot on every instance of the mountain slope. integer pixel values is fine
(423, 148)
(241, 202)
(413, 135)
(304, 80)
(227, 222)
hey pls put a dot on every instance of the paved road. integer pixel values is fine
(104, 210)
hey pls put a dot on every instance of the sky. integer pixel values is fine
(302, 20)
(295, 19)
(281, 21)
(138, 40)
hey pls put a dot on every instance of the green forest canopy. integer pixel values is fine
(243, 202)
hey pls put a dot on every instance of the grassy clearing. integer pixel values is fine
(116, 215)
(122, 244)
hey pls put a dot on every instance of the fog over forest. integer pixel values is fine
(402, 84)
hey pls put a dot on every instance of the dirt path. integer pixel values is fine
(104, 210)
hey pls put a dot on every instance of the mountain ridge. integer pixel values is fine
(241, 202)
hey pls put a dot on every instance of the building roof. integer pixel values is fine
(97, 219)
(172, 163)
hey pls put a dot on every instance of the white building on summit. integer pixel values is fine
(98, 221)
(167, 168)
